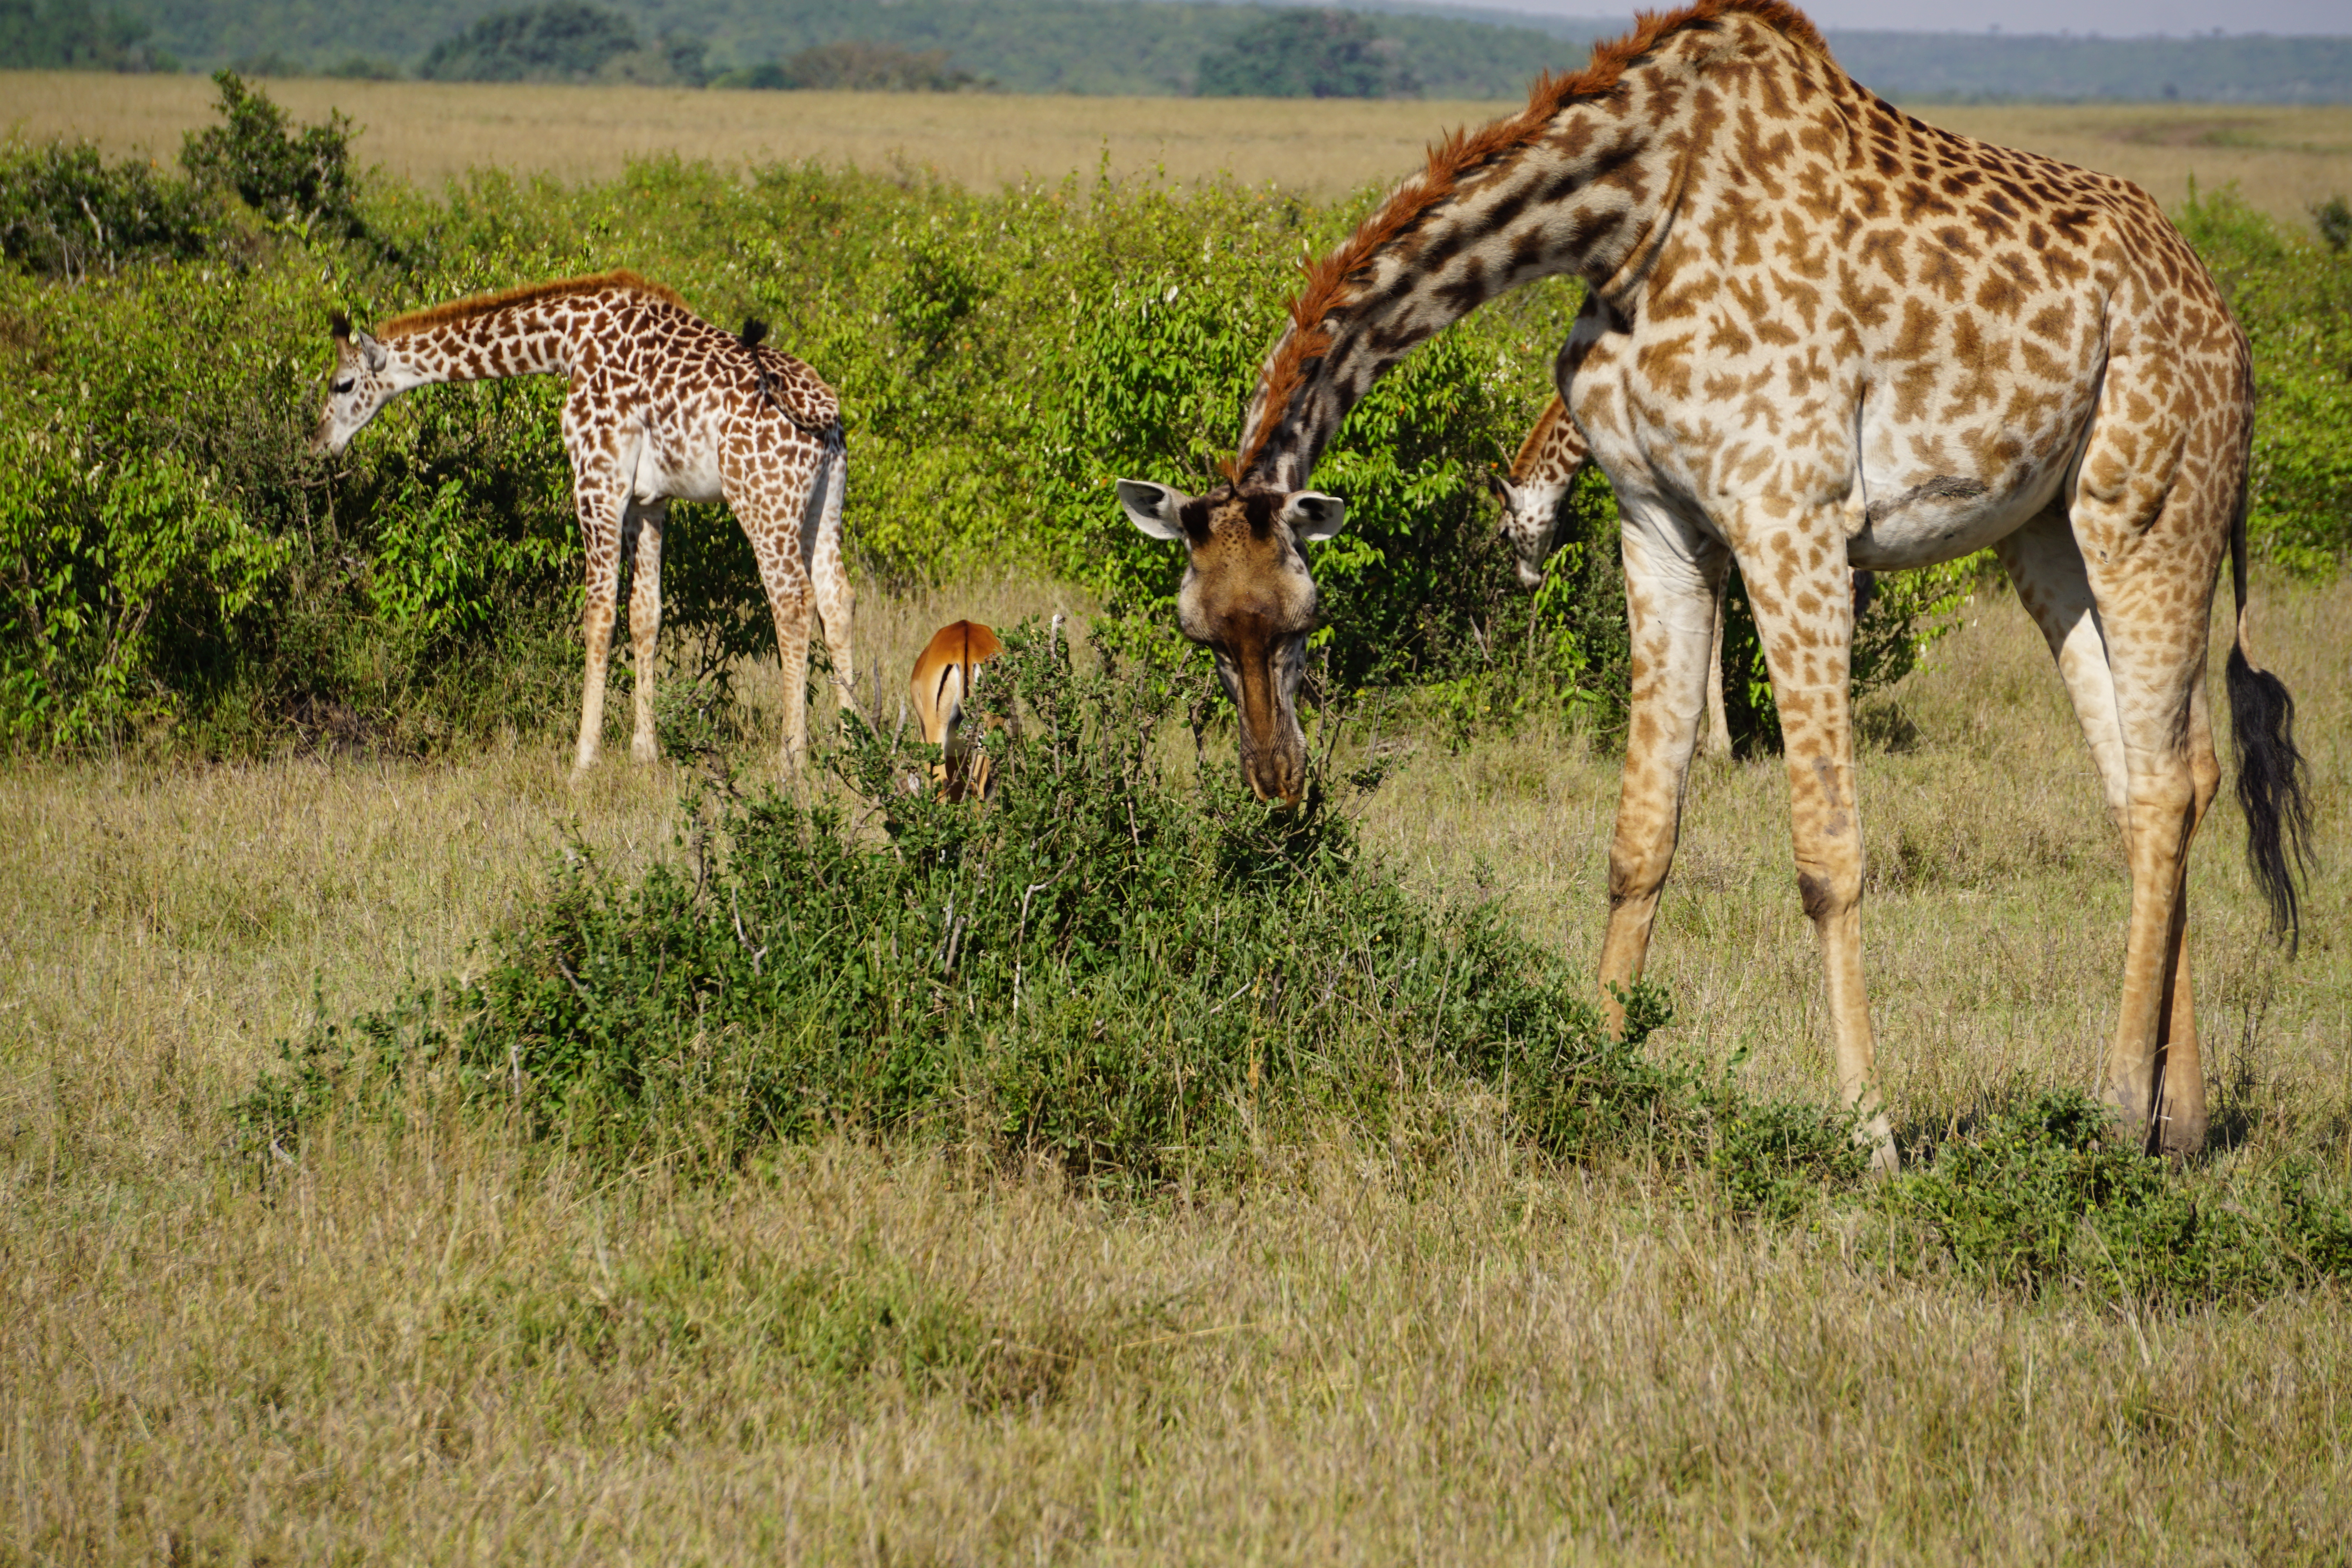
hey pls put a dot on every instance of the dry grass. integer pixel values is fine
(445, 1348)
(2284, 159)
(428, 132)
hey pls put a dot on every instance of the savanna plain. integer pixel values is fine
(1378, 1347)
(2282, 159)
(1407, 1332)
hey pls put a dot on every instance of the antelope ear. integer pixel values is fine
(1155, 510)
(374, 352)
(1314, 516)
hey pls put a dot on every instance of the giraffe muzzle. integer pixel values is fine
(1276, 766)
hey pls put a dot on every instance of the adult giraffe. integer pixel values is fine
(1819, 334)
(664, 406)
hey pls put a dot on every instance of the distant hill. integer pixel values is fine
(1142, 46)
(1995, 67)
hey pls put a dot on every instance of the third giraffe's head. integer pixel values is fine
(1530, 519)
(1248, 599)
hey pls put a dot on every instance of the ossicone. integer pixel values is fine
(339, 323)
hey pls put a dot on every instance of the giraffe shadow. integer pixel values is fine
(1885, 727)
(2237, 1113)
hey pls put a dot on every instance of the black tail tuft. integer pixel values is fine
(2272, 789)
(754, 332)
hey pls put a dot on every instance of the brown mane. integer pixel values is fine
(483, 304)
(1464, 152)
(1554, 412)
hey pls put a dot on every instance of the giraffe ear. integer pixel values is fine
(1155, 510)
(374, 352)
(1499, 482)
(1314, 516)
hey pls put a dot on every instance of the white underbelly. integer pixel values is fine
(674, 476)
(1924, 536)
(1942, 518)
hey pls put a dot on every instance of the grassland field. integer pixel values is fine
(2282, 159)
(1374, 1352)
(1421, 1343)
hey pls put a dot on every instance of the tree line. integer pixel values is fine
(1131, 47)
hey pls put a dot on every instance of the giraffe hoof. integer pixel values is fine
(2180, 1137)
(2132, 1125)
(1879, 1137)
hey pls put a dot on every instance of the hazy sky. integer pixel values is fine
(2114, 18)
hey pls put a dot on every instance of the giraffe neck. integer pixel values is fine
(1587, 180)
(535, 337)
(1544, 455)
(1540, 210)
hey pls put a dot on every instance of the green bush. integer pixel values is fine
(65, 214)
(1002, 359)
(2333, 218)
(564, 41)
(855, 65)
(119, 578)
(1096, 967)
(2295, 300)
(68, 34)
(288, 173)
(1307, 53)
(2042, 1193)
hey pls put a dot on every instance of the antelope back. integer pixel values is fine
(942, 682)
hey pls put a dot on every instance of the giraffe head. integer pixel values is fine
(359, 386)
(1248, 599)
(1530, 519)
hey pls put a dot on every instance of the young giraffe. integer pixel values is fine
(664, 406)
(1547, 463)
(1819, 334)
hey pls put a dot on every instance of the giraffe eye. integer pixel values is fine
(339, 388)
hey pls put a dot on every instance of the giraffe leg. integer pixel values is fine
(1803, 600)
(2151, 538)
(828, 574)
(1717, 743)
(601, 503)
(2046, 564)
(1673, 581)
(2181, 1117)
(644, 622)
(776, 541)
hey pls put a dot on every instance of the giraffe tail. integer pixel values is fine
(833, 473)
(2273, 778)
